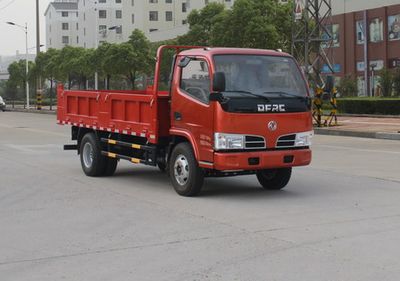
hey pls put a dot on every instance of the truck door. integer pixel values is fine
(191, 110)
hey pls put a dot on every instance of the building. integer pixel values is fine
(365, 33)
(62, 24)
(88, 23)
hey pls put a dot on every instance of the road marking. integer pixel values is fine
(32, 130)
(369, 123)
(33, 149)
(358, 149)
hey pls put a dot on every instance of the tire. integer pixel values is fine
(162, 167)
(274, 179)
(186, 176)
(110, 167)
(92, 162)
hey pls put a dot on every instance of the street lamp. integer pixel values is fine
(25, 29)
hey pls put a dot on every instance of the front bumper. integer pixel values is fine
(266, 159)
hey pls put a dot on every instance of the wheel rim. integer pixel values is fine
(181, 170)
(88, 155)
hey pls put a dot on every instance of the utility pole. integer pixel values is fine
(39, 79)
(311, 37)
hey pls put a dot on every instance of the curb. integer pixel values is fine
(23, 110)
(371, 135)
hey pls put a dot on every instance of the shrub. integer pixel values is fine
(369, 106)
(396, 82)
(348, 87)
(386, 82)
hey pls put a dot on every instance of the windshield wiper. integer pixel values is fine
(286, 94)
(248, 93)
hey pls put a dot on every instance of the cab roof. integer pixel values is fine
(207, 52)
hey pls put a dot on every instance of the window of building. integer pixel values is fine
(65, 40)
(133, 18)
(77, 26)
(153, 29)
(394, 27)
(184, 8)
(102, 1)
(153, 16)
(168, 16)
(153, 1)
(102, 14)
(360, 32)
(133, 2)
(168, 1)
(102, 28)
(118, 1)
(65, 26)
(84, 16)
(84, 31)
(206, 2)
(195, 80)
(331, 36)
(118, 29)
(64, 14)
(118, 14)
(77, 39)
(376, 30)
(184, 22)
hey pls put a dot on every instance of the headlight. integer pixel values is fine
(304, 139)
(228, 141)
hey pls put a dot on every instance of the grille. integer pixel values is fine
(254, 142)
(286, 141)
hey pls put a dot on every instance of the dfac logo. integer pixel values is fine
(271, 107)
(272, 125)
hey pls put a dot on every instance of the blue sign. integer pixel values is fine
(336, 68)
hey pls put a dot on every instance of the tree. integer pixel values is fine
(386, 82)
(130, 59)
(264, 24)
(201, 24)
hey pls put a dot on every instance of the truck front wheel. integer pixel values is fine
(93, 163)
(274, 179)
(186, 175)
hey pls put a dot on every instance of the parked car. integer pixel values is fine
(2, 104)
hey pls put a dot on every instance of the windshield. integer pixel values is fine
(262, 75)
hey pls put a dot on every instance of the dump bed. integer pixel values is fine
(138, 113)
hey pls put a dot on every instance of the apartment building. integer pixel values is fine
(366, 39)
(62, 24)
(88, 23)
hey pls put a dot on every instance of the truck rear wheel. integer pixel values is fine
(93, 163)
(186, 175)
(110, 167)
(274, 179)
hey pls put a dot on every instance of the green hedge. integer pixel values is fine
(387, 106)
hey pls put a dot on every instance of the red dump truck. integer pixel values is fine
(227, 112)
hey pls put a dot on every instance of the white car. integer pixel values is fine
(2, 104)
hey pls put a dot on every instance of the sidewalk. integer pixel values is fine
(364, 127)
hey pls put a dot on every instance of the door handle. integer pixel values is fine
(177, 116)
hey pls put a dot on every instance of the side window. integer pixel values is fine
(195, 80)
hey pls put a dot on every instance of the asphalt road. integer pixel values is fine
(338, 219)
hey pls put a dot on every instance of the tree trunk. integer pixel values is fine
(132, 75)
(108, 81)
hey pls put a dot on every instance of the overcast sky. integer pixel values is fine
(20, 11)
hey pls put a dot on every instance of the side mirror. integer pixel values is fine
(219, 82)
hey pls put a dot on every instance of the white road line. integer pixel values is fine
(357, 149)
